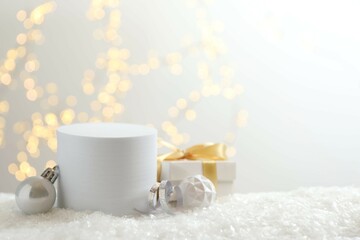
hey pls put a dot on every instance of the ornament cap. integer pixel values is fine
(51, 174)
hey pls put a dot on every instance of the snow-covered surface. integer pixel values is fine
(308, 213)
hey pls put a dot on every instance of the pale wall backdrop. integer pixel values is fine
(278, 81)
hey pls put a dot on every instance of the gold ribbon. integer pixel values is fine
(208, 153)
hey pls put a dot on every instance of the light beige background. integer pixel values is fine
(297, 61)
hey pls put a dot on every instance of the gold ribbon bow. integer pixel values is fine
(208, 153)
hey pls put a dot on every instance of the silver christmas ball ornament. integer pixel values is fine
(37, 194)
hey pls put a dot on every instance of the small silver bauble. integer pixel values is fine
(37, 194)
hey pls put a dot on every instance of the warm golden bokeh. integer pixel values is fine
(38, 132)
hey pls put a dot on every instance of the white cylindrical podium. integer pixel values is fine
(107, 167)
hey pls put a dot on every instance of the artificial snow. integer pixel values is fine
(309, 213)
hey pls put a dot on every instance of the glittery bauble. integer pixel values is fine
(35, 195)
(197, 191)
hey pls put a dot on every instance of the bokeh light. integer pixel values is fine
(105, 101)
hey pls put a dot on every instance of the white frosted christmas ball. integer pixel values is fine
(197, 191)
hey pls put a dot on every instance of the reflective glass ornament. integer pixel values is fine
(37, 194)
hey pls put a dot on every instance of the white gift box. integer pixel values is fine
(177, 170)
(107, 167)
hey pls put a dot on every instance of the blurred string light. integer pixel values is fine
(107, 102)
(21, 64)
(216, 80)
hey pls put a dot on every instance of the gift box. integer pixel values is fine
(224, 172)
